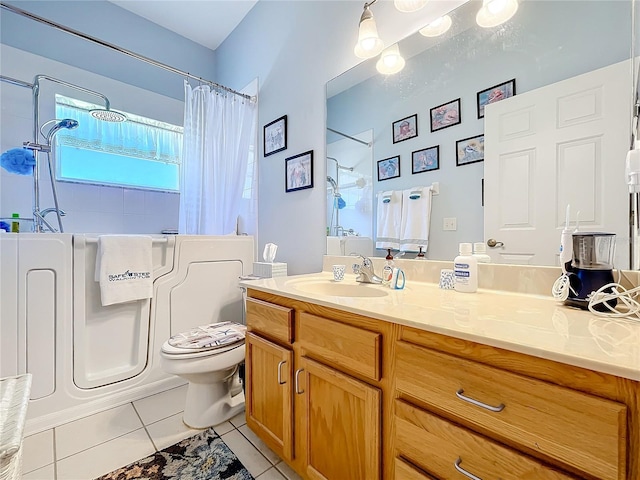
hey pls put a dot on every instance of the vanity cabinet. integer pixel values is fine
(342, 396)
(312, 390)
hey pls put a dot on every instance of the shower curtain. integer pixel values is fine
(218, 130)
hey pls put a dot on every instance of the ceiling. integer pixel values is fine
(207, 22)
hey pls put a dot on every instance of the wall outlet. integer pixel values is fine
(449, 224)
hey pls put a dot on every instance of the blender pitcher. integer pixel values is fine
(591, 267)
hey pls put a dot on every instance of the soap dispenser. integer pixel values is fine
(387, 270)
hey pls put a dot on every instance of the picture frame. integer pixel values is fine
(425, 160)
(298, 172)
(275, 136)
(445, 115)
(405, 128)
(389, 168)
(470, 150)
(495, 94)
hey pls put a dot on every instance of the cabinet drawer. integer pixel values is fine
(444, 449)
(271, 320)
(580, 430)
(351, 348)
(403, 470)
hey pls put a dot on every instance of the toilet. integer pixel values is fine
(208, 357)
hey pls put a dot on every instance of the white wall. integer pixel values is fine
(294, 48)
(89, 208)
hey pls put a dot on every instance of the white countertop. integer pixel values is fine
(529, 324)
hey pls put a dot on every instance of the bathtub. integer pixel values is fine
(84, 357)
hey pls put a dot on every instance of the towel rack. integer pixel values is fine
(153, 240)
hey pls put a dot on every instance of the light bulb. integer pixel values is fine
(437, 27)
(390, 61)
(408, 6)
(496, 12)
(369, 44)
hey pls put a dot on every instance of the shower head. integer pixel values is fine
(334, 185)
(68, 123)
(107, 115)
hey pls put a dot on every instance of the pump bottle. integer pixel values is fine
(480, 252)
(387, 270)
(465, 270)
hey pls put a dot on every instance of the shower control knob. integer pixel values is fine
(493, 243)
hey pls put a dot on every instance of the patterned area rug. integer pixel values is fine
(203, 456)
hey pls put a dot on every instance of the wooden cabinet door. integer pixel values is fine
(342, 424)
(269, 401)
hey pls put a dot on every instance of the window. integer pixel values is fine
(139, 153)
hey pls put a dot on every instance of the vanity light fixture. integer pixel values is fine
(437, 27)
(390, 61)
(408, 6)
(495, 12)
(369, 44)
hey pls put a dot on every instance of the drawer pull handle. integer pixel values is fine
(460, 395)
(298, 372)
(463, 471)
(280, 372)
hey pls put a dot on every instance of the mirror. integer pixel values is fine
(543, 45)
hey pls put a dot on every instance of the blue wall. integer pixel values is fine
(110, 23)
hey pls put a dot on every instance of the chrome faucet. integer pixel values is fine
(46, 211)
(365, 271)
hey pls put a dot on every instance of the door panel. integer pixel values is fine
(544, 151)
(269, 398)
(343, 425)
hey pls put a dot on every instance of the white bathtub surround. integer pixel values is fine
(86, 358)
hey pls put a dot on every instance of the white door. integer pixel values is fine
(561, 144)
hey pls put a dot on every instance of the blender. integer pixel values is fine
(591, 268)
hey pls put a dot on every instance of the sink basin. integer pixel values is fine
(338, 289)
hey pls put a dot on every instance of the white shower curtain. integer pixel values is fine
(218, 129)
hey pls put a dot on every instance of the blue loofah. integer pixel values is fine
(18, 160)
(5, 226)
(341, 203)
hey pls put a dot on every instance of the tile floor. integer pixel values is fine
(92, 446)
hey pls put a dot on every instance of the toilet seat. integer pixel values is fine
(206, 340)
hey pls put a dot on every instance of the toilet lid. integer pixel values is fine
(216, 336)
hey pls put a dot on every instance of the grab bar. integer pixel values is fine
(153, 240)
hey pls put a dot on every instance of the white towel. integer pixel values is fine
(416, 217)
(389, 219)
(124, 268)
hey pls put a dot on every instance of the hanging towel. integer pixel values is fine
(389, 218)
(416, 217)
(124, 268)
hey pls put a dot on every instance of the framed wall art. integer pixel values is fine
(445, 115)
(425, 160)
(275, 136)
(298, 171)
(495, 94)
(389, 168)
(470, 150)
(405, 128)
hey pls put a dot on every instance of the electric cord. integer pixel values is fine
(611, 300)
(626, 305)
(560, 288)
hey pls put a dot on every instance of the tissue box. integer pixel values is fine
(268, 270)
